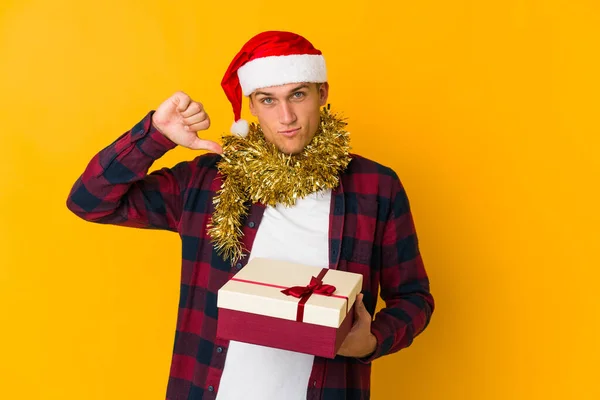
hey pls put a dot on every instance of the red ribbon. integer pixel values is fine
(316, 285)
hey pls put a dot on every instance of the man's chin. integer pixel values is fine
(290, 150)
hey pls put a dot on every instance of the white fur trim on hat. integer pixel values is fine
(240, 128)
(281, 70)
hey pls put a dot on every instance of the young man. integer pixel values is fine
(286, 189)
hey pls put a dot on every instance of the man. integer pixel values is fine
(285, 189)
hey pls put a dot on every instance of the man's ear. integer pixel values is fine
(323, 93)
(251, 106)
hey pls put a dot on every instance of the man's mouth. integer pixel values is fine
(290, 132)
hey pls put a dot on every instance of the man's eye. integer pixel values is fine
(298, 95)
(266, 100)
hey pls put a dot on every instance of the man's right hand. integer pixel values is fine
(180, 118)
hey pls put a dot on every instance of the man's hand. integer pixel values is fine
(360, 342)
(180, 118)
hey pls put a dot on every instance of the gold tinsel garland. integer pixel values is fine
(255, 170)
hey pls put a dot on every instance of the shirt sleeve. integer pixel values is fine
(115, 188)
(404, 281)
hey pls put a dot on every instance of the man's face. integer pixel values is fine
(289, 115)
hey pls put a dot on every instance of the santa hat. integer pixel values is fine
(270, 58)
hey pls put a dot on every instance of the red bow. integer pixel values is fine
(316, 285)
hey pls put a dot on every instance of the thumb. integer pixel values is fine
(201, 144)
(359, 300)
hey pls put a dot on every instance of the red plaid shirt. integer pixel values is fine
(371, 232)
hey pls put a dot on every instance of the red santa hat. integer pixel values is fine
(270, 58)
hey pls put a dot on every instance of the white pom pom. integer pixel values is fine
(240, 128)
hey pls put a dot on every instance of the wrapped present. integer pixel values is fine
(288, 306)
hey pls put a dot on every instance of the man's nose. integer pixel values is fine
(286, 114)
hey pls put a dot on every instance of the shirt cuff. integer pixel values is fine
(149, 139)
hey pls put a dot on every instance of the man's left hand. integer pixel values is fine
(360, 342)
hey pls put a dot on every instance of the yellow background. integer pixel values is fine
(488, 111)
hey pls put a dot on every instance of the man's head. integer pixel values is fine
(285, 78)
(289, 114)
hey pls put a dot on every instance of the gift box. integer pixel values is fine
(288, 306)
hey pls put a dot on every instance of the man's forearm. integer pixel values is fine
(99, 192)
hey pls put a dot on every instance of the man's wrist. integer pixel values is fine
(158, 136)
(372, 346)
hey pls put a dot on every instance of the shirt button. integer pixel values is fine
(251, 224)
(211, 388)
(238, 265)
(219, 349)
(315, 383)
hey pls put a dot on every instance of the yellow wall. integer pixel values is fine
(488, 111)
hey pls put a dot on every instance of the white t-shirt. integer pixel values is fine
(297, 234)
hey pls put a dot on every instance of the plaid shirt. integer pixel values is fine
(371, 232)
